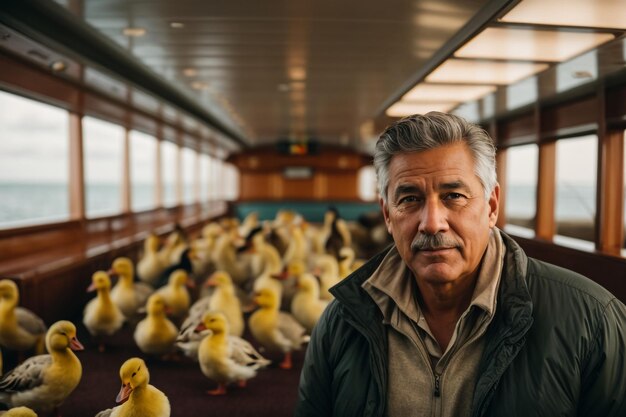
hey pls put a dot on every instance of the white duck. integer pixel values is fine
(297, 249)
(43, 382)
(274, 329)
(20, 329)
(156, 334)
(150, 267)
(137, 397)
(205, 246)
(128, 295)
(225, 358)
(175, 293)
(101, 316)
(306, 305)
(347, 262)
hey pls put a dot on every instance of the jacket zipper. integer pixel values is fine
(437, 392)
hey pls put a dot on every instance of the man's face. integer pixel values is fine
(437, 213)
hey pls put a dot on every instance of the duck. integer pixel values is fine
(43, 382)
(128, 295)
(226, 259)
(272, 266)
(225, 299)
(156, 334)
(137, 397)
(276, 330)
(18, 412)
(347, 262)
(250, 222)
(205, 247)
(20, 328)
(224, 358)
(297, 249)
(185, 263)
(327, 268)
(101, 316)
(306, 306)
(175, 244)
(150, 267)
(175, 293)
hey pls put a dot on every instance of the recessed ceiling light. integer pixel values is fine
(177, 25)
(58, 66)
(134, 32)
(483, 71)
(199, 85)
(407, 108)
(190, 72)
(447, 92)
(582, 13)
(530, 44)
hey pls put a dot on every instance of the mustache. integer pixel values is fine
(433, 242)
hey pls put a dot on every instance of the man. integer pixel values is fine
(454, 319)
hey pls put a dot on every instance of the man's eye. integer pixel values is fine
(453, 196)
(407, 199)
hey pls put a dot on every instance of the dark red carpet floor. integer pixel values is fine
(272, 393)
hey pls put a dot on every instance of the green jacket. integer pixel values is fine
(555, 347)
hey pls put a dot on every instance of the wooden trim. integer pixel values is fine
(76, 167)
(611, 193)
(545, 225)
(126, 187)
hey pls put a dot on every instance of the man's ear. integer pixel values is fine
(494, 205)
(385, 209)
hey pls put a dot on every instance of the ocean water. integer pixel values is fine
(27, 203)
(573, 202)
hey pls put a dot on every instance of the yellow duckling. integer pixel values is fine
(128, 295)
(225, 299)
(225, 358)
(43, 382)
(272, 266)
(175, 293)
(101, 316)
(225, 257)
(20, 329)
(137, 397)
(150, 266)
(155, 334)
(18, 412)
(306, 305)
(347, 262)
(175, 244)
(274, 329)
(327, 268)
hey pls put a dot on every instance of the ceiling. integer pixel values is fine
(261, 71)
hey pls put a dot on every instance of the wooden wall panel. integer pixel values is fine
(300, 189)
(570, 118)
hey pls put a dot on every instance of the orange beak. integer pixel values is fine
(124, 393)
(75, 344)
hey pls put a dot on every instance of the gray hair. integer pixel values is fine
(418, 133)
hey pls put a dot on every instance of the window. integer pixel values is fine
(34, 170)
(521, 189)
(169, 164)
(367, 184)
(230, 192)
(205, 175)
(142, 170)
(576, 161)
(189, 160)
(103, 148)
(214, 183)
